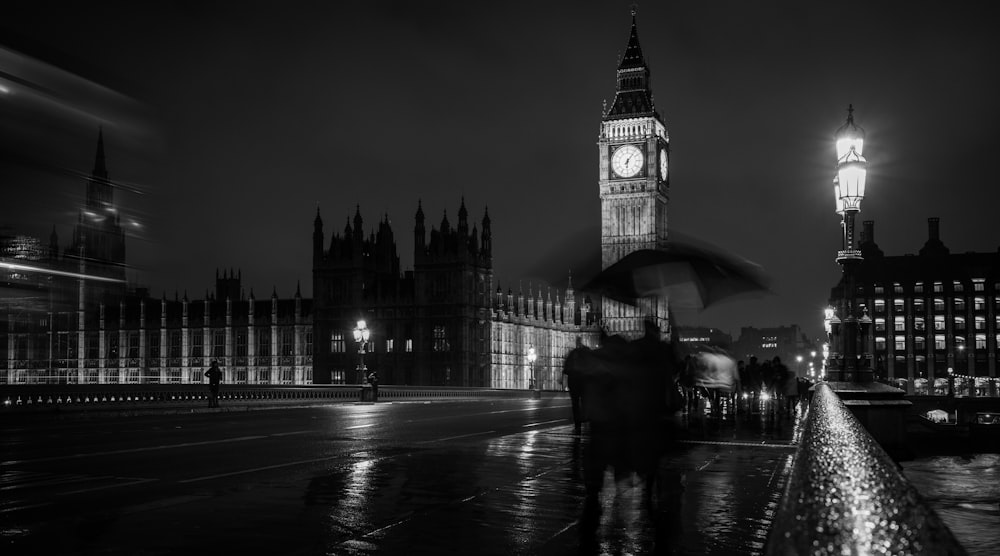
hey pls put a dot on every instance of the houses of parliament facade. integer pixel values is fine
(443, 322)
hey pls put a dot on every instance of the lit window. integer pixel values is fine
(918, 287)
(938, 322)
(879, 290)
(899, 324)
(880, 342)
(440, 339)
(900, 342)
(957, 286)
(897, 305)
(337, 342)
(960, 342)
(959, 323)
(978, 284)
(938, 304)
(897, 287)
(919, 343)
(959, 304)
(938, 287)
(918, 305)
(979, 304)
(919, 324)
(409, 345)
(980, 341)
(880, 325)
(879, 305)
(389, 345)
(939, 341)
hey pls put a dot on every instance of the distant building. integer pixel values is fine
(697, 337)
(931, 312)
(786, 342)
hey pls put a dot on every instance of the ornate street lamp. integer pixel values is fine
(361, 335)
(848, 364)
(534, 379)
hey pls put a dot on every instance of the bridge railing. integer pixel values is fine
(13, 398)
(845, 495)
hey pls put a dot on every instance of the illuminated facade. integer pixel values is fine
(634, 153)
(931, 313)
(441, 323)
(139, 339)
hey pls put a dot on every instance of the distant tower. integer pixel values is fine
(634, 152)
(98, 247)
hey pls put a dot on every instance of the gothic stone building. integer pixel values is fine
(442, 323)
(439, 324)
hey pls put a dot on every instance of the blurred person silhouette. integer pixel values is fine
(214, 379)
(628, 400)
(373, 380)
(573, 382)
(779, 374)
(790, 389)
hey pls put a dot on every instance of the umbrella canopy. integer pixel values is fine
(689, 276)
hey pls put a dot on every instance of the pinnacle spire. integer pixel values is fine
(633, 96)
(100, 169)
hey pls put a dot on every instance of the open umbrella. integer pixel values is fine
(690, 276)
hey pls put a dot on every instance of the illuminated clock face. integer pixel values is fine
(663, 164)
(627, 161)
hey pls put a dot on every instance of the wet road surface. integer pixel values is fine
(484, 477)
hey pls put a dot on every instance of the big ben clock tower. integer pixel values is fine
(634, 152)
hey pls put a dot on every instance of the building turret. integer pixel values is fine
(487, 242)
(317, 238)
(358, 230)
(419, 233)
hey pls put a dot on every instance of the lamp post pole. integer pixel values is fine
(361, 336)
(849, 190)
(537, 389)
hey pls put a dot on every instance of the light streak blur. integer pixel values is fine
(42, 270)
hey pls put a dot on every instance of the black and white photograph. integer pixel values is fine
(594, 277)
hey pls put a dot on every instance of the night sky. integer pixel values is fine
(227, 124)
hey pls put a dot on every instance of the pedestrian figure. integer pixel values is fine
(573, 380)
(214, 379)
(791, 391)
(373, 380)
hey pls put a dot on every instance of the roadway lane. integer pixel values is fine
(273, 481)
(482, 477)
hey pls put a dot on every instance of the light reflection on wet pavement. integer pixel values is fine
(715, 493)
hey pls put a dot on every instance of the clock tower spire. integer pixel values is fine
(633, 151)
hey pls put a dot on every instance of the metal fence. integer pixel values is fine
(15, 397)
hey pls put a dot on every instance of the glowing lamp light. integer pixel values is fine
(532, 355)
(361, 332)
(851, 176)
(847, 143)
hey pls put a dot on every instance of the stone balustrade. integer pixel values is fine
(845, 495)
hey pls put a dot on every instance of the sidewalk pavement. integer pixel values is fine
(715, 492)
